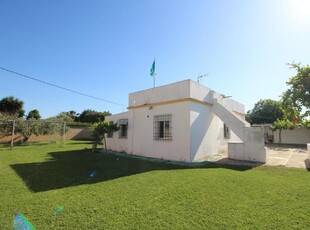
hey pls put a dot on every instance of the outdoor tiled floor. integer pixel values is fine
(286, 155)
(289, 156)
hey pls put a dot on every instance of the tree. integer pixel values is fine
(69, 116)
(12, 106)
(35, 114)
(54, 125)
(265, 112)
(295, 102)
(100, 130)
(73, 114)
(39, 127)
(27, 128)
(6, 124)
(65, 117)
(296, 99)
(92, 116)
(306, 123)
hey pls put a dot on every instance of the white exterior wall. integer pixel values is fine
(204, 94)
(196, 131)
(207, 133)
(183, 90)
(141, 138)
(252, 148)
(116, 143)
(171, 92)
(202, 124)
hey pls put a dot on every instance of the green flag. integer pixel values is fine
(152, 70)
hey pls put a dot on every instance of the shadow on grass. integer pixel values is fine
(72, 168)
(80, 142)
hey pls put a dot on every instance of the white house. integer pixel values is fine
(185, 121)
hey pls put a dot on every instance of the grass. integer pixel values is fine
(129, 193)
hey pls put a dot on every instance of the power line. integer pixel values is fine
(60, 87)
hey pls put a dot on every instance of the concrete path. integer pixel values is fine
(284, 155)
(289, 156)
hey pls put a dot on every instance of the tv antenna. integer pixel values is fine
(201, 76)
(224, 96)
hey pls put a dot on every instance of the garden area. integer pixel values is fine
(72, 187)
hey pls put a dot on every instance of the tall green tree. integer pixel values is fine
(73, 114)
(295, 102)
(92, 116)
(65, 116)
(12, 106)
(34, 114)
(296, 99)
(265, 112)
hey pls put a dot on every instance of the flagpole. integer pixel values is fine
(153, 72)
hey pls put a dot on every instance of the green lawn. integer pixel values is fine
(128, 193)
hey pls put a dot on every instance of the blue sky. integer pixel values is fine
(106, 48)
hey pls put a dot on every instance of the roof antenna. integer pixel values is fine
(202, 76)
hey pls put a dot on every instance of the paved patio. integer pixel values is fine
(295, 156)
(288, 156)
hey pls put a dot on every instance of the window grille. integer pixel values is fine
(162, 127)
(226, 132)
(123, 127)
(123, 121)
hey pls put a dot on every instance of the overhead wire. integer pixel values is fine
(60, 87)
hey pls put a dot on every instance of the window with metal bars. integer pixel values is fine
(162, 127)
(123, 126)
(226, 132)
